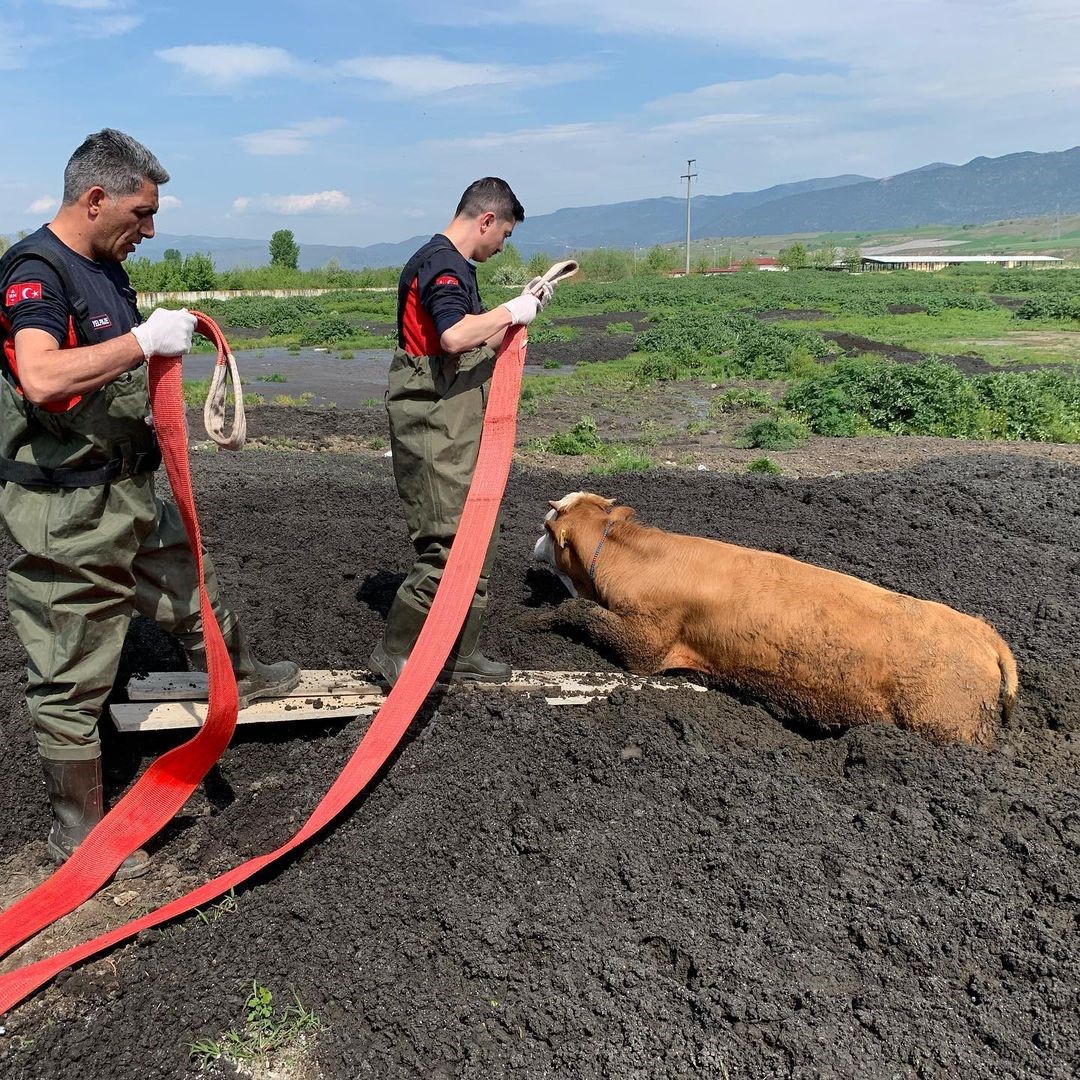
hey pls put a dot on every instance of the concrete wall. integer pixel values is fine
(153, 299)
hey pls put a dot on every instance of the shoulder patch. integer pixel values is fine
(447, 279)
(22, 290)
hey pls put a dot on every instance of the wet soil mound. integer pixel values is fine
(654, 886)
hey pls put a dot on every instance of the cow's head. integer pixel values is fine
(572, 529)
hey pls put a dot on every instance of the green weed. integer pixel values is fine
(267, 1036)
(782, 432)
(763, 465)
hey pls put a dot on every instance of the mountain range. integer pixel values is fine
(1019, 185)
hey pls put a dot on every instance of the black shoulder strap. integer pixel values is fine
(33, 249)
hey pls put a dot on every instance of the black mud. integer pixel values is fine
(656, 885)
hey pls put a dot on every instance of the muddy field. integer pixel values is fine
(653, 886)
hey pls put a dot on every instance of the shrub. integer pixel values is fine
(783, 432)
(763, 465)
(580, 439)
(859, 396)
(737, 399)
(325, 330)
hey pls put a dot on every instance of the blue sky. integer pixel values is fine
(355, 123)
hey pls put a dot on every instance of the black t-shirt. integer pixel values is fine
(32, 294)
(436, 290)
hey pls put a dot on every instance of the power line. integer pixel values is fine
(688, 176)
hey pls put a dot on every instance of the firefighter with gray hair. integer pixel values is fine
(77, 460)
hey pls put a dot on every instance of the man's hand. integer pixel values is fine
(523, 309)
(541, 289)
(166, 333)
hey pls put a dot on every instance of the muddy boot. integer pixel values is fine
(466, 662)
(75, 796)
(254, 679)
(403, 626)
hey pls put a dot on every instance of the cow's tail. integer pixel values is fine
(1010, 683)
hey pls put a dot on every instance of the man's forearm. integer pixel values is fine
(473, 330)
(48, 374)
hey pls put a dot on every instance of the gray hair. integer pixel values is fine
(113, 161)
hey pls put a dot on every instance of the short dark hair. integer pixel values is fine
(490, 193)
(113, 161)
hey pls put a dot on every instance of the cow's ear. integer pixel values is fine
(622, 513)
(554, 505)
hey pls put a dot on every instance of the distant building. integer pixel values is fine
(766, 262)
(940, 262)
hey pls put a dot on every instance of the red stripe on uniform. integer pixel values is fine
(417, 326)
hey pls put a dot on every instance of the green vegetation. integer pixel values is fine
(583, 439)
(860, 396)
(782, 432)
(763, 465)
(274, 376)
(196, 391)
(267, 1037)
(284, 250)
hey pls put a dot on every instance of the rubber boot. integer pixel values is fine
(466, 662)
(75, 796)
(403, 626)
(254, 679)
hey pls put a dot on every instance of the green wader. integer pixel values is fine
(92, 558)
(436, 408)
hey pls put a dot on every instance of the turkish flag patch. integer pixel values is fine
(447, 279)
(22, 290)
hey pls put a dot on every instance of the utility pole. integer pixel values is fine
(688, 176)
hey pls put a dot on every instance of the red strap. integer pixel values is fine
(168, 782)
(426, 661)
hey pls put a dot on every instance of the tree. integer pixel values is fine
(172, 255)
(284, 250)
(852, 259)
(198, 272)
(660, 258)
(793, 257)
(539, 264)
(823, 258)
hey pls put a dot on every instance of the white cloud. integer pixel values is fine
(43, 205)
(425, 76)
(168, 202)
(99, 18)
(317, 202)
(226, 66)
(294, 139)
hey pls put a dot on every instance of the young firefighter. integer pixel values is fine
(439, 379)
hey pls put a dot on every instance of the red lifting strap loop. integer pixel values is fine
(167, 783)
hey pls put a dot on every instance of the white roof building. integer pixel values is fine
(939, 262)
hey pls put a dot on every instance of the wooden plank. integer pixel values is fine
(165, 715)
(191, 685)
(170, 700)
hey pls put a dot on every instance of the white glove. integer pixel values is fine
(523, 309)
(541, 289)
(165, 333)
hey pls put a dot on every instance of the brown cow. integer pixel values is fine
(807, 642)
